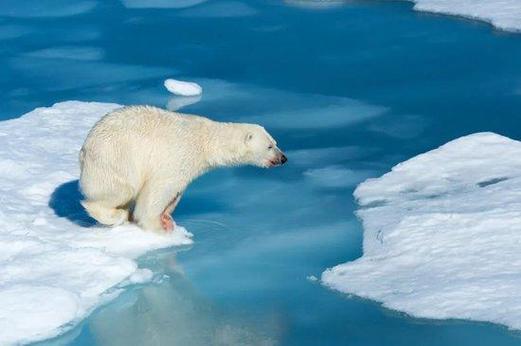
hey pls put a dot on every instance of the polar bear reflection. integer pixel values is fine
(175, 313)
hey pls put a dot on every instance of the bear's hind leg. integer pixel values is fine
(104, 214)
(167, 222)
(111, 207)
(154, 205)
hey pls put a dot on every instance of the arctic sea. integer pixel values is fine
(348, 90)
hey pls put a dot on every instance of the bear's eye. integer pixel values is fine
(270, 147)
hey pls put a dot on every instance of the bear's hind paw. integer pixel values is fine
(167, 223)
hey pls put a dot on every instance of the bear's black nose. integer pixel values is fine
(283, 159)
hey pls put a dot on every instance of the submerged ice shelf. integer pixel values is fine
(56, 265)
(503, 14)
(442, 234)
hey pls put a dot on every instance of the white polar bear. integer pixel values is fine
(145, 157)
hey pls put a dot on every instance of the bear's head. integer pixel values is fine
(260, 149)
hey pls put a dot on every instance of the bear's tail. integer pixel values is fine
(104, 215)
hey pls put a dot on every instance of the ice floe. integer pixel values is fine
(56, 265)
(183, 88)
(442, 234)
(503, 14)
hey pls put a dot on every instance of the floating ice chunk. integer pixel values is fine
(503, 14)
(182, 88)
(54, 271)
(441, 234)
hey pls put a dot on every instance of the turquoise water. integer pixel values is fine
(348, 92)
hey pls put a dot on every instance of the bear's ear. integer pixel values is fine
(248, 137)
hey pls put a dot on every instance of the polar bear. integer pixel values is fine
(143, 158)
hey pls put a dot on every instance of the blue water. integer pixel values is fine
(372, 83)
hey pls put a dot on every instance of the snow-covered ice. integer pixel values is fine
(56, 266)
(503, 14)
(182, 88)
(442, 234)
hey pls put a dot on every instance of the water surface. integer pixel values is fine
(348, 91)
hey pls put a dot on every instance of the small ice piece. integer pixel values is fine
(312, 278)
(182, 88)
(441, 234)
